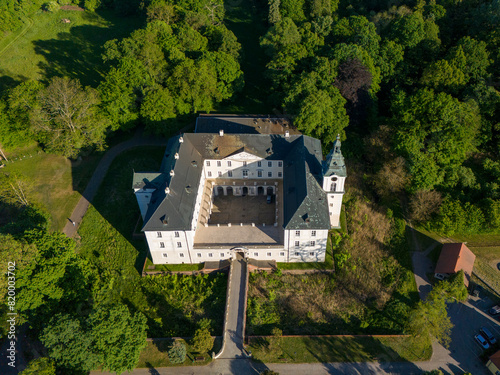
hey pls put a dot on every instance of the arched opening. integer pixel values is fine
(220, 190)
(245, 190)
(270, 190)
(260, 190)
(229, 190)
(333, 187)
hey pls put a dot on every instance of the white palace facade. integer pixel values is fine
(287, 196)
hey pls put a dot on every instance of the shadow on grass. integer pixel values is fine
(78, 53)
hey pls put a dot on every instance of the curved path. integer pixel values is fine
(22, 33)
(100, 172)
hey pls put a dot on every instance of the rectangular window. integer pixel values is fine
(331, 204)
(280, 174)
(255, 254)
(297, 233)
(165, 255)
(311, 253)
(181, 255)
(259, 164)
(282, 254)
(198, 255)
(230, 173)
(312, 243)
(209, 174)
(259, 173)
(269, 174)
(313, 233)
(210, 255)
(162, 245)
(222, 255)
(176, 234)
(244, 163)
(245, 173)
(280, 164)
(158, 234)
(268, 254)
(179, 244)
(269, 164)
(207, 163)
(218, 163)
(219, 174)
(229, 163)
(297, 254)
(297, 244)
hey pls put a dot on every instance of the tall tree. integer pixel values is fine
(118, 337)
(66, 119)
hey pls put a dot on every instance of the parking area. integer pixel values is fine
(467, 322)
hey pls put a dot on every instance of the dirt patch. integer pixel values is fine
(72, 7)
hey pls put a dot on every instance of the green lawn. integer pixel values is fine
(339, 349)
(56, 184)
(52, 48)
(155, 355)
(172, 267)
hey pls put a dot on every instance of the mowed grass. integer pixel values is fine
(55, 183)
(155, 354)
(52, 48)
(339, 349)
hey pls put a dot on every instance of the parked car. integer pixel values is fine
(489, 336)
(495, 310)
(482, 341)
(269, 199)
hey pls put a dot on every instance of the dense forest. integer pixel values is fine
(413, 87)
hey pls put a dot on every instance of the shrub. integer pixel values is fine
(51, 6)
(177, 352)
(202, 340)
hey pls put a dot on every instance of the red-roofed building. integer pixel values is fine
(494, 363)
(455, 257)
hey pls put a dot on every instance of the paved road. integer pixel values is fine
(99, 174)
(235, 311)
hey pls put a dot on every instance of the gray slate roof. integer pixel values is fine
(305, 203)
(335, 164)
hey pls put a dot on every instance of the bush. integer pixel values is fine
(202, 340)
(177, 352)
(455, 217)
(51, 6)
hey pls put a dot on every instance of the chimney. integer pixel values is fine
(287, 134)
(181, 140)
(172, 173)
(221, 132)
(176, 155)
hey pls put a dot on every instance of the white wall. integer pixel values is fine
(174, 254)
(338, 181)
(237, 167)
(306, 252)
(143, 197)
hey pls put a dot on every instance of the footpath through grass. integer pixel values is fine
(338, 349)
(53, 48)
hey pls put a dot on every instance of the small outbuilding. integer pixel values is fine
(493, 363)
(455, 257)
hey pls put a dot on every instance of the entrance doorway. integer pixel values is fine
(260, 190)
(270, 191)
(245, 190)
(229, 190)
(220, 190)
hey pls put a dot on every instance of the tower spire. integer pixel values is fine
(334, 164)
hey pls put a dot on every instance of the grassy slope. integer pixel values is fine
(52, 48)
(339, 349)
(56, 184)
